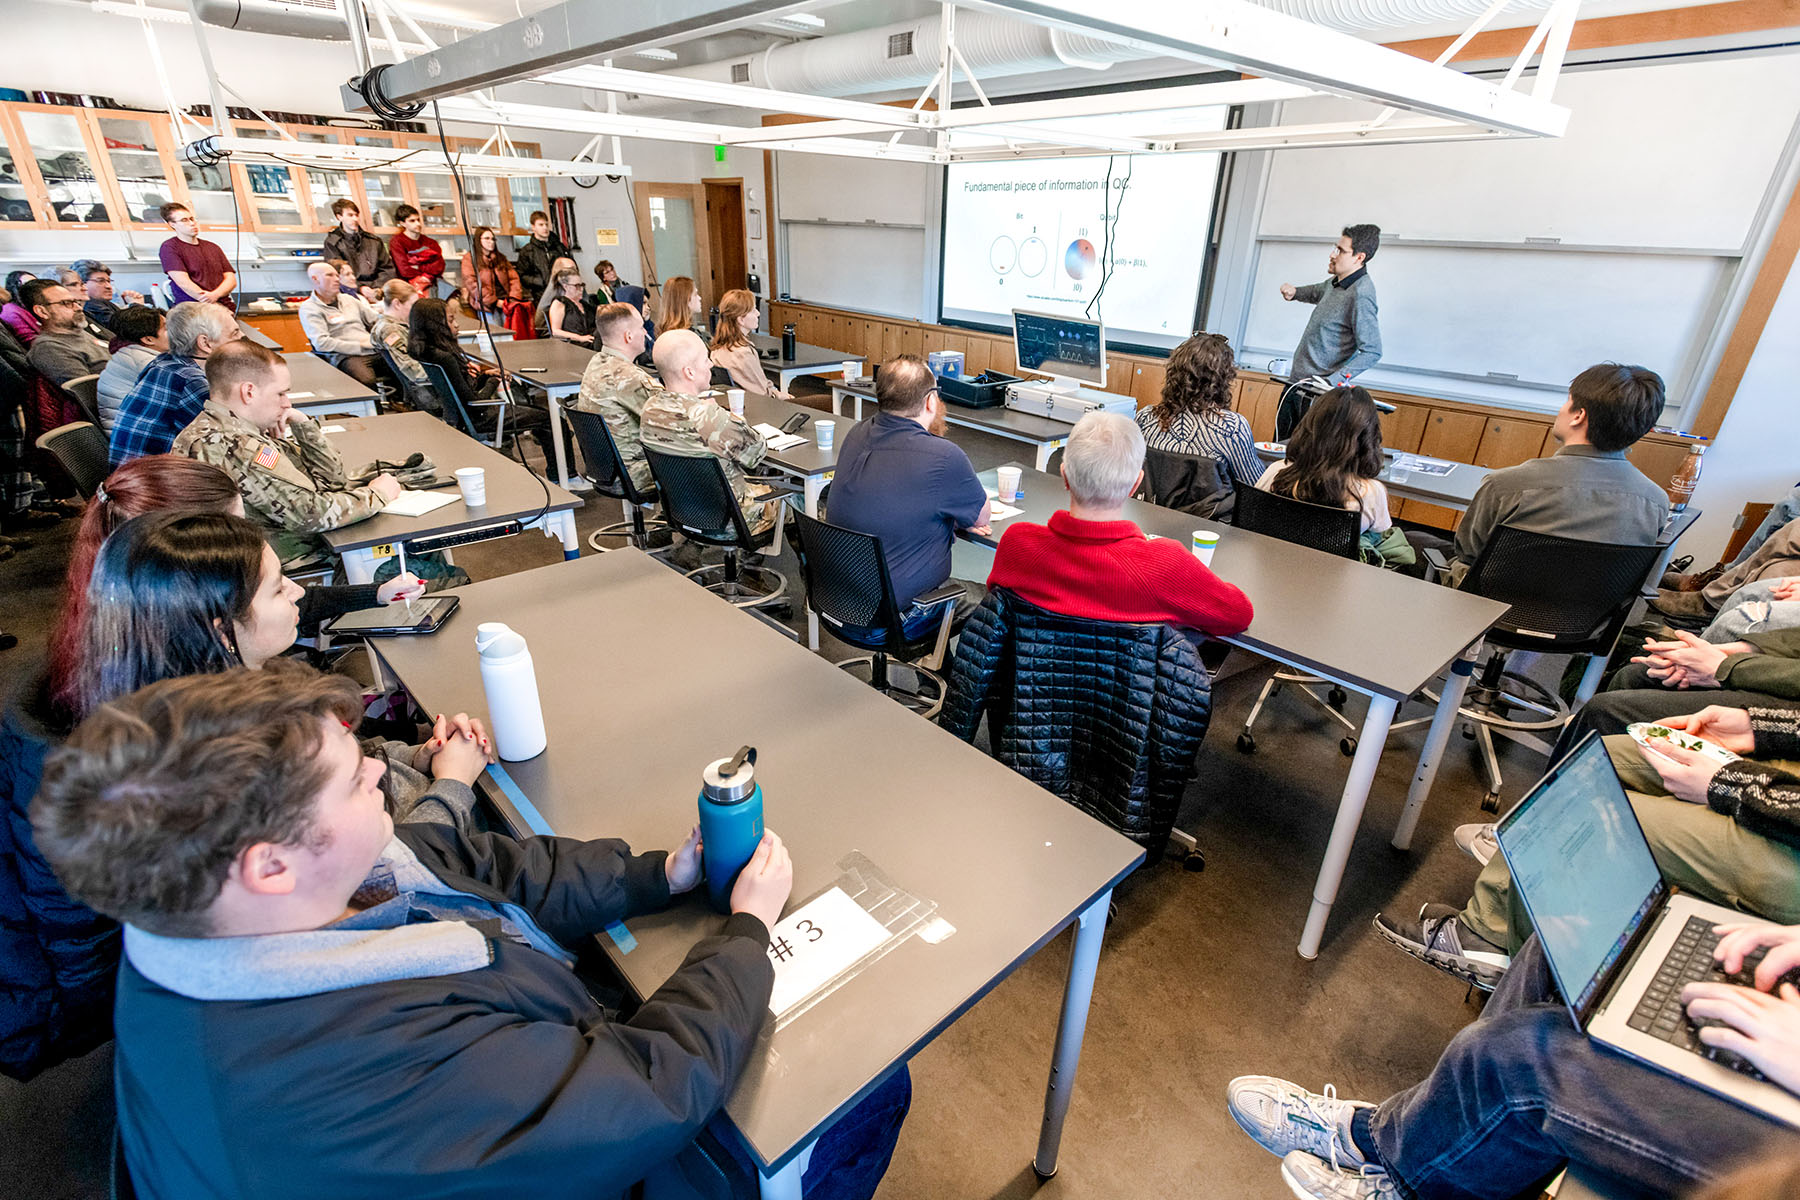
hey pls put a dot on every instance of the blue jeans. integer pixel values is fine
(1522, 1092)
(1787, 510)
(847, 1163)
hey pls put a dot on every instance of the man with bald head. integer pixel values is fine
(171, 389)
(900, 479)
(340, 327)
(686, 418)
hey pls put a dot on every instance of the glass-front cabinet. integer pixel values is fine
(526, 192)
(16, 181)
(140, 153)
(326, 187)
(277, 200)
(384, 190)
(72, 191)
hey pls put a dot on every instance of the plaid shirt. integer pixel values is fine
(168, 396)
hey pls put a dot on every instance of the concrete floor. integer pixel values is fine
(1199, 980)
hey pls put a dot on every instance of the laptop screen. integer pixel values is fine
(1582, 866)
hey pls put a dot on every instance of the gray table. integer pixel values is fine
(1377, 632)
(1454, 490)
(469, 328)
(317, 388)
(807, 463)
(253, 334)
(513, 492)
(554, 367)
(635, 713)
(807, 360)
(1045, 435)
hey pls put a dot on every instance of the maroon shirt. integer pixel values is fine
(204, 263)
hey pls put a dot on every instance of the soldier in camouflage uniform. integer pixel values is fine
(685, 418)
(292, 480)
(617, 388)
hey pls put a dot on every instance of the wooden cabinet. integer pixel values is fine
(61, 167)
(138, 152)
(1507, 442)
(1146, 382)
(283, 327)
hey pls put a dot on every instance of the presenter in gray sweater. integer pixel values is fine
(1343, 335)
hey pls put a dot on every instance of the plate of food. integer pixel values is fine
(1647, 734)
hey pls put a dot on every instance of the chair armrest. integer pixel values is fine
(1436, 565)
(773, 488)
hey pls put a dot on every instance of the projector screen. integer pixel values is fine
(1033, 235)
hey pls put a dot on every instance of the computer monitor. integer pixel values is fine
(1069, 350)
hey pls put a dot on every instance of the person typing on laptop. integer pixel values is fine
(1726, 832)
(1635, 1033)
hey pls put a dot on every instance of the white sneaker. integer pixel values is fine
(1283, 1118)
(1478, 842)
(1312, 1178)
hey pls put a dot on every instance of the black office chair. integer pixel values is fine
(605, 468)
(1335, 531)
(457, 414)
(85, 391)
(1568, 597)
(420, 396)
(848, 584)
(1196, 484)
(698, 502)
(81, 449)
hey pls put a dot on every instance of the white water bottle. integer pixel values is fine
(510, 680)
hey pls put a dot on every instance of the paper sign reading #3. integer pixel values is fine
(817, 941)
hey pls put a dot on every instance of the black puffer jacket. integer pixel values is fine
(58, 958)
(1108, 715)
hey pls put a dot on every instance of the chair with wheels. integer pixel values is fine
(1335, 531)
(604, 467)
(849, 586)
(457, 414)
(81, 449)
(1568, 597)
(85, 391)
(698, 503)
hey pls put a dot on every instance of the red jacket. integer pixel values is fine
(1109, 571)
(413, 259)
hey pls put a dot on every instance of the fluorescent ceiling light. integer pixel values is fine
(799, 22)
(657, 53)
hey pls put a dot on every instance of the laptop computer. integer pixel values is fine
(1620, 942)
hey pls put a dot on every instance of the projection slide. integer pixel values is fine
(1033, 235)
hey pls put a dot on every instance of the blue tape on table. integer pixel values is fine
(526, 809)
(621, 937)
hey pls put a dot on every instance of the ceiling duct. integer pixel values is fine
(896, 58)
(1372, 16)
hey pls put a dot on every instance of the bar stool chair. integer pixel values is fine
(1568, 597)
(849, 586)
(605, 468)
(1333, 530)
(698, 502)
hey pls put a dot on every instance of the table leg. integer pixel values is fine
(1090, 931)
(556, 439)
(1369, 744)
(815, 487)
(785, 1183)
(1590, 679)
(1045, 450)
(837, 401)
(359, 566)
(564, 522)
(1437, 736)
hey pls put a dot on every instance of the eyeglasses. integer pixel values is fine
(63, 303)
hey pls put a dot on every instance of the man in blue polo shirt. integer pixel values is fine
(900, 479)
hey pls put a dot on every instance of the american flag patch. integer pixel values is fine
(267, 457)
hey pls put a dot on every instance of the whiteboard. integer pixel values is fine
(814, 187)
(1541, 315)
(1670, 155)
(874, 269)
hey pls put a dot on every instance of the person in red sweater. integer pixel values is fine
(1091, 562)
(417, 257)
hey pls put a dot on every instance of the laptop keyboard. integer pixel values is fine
(1690, 960)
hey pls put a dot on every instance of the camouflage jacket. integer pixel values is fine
(393, 334)
(295, 487)
(696, 425)
(618, 390)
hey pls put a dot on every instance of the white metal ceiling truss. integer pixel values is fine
(1283, 58)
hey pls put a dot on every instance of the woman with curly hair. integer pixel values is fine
(1194, 415)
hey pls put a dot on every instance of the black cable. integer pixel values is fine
(1106, 270)
(345, 170)
(462, 209)
(1105, 238)
(370, 87)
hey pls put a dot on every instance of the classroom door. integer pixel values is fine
(725, 230)
(671, 221)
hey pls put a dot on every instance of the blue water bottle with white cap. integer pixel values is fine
(731, 822)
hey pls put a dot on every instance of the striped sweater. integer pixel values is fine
(1763, 799)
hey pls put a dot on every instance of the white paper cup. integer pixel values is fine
(1205, 542)
(473, 482)
(735, 398)
(852, 369)
(826, 432)
(1007, 480)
